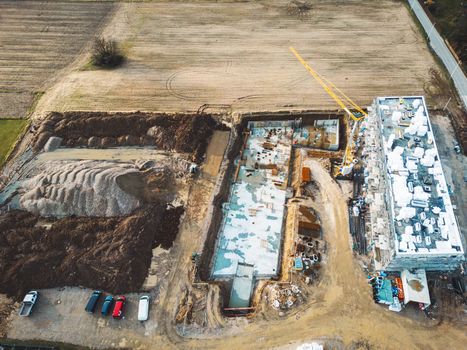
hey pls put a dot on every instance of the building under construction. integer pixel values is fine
(411, 218)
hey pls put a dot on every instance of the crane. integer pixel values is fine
(355, 112)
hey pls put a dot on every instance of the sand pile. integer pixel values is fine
(112, 254)
(89, 188)
(187, 133)
(82, 188)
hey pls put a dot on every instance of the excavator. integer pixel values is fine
(355, 113)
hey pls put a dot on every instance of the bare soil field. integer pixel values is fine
(183, 55)
(95, 222)
(93, 217)
(37, 40)
(111, 254)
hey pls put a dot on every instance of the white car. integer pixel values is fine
(28, 303)
(143, 308)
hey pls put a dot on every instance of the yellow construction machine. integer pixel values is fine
(355, 112)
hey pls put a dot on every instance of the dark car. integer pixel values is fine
(92, 302)
(107, 306)
(119, 307)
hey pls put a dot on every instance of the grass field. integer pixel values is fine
(9, 132)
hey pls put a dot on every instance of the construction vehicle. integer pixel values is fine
(355, 112)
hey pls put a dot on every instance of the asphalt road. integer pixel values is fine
(441, 49)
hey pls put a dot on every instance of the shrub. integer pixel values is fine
(105, 53)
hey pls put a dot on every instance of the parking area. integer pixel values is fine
(59, 316)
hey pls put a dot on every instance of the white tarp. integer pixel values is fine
(415, 287)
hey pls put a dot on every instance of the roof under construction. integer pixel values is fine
(251, 230)
(419, 210)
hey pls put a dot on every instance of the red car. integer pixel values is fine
(119, 307)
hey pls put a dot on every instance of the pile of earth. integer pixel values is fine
(90, 188)
(187, 133)
(112, 254)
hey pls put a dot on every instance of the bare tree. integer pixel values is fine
(106, 53)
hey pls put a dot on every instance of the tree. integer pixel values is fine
(106, 53)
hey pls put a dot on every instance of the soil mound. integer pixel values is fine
(83, 188)
(112, 254)
(148, 186)
(188, 133)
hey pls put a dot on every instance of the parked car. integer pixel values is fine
(119, 307)
(28, 303)
(107, 306)
(92, 302)
(143, 308)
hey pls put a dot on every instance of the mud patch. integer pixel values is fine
(148, 186)
(112, 254)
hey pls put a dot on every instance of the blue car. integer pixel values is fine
(107, 306)
(92, 302)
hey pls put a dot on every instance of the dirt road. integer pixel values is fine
(345, 308)
(182, 55)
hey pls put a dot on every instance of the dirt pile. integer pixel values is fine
(188, 133)
(149, 186)
(83, 188)
(90, 188)
(6, 308)
(112, 254)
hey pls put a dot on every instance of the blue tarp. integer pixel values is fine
(385, 292)
(298, 264)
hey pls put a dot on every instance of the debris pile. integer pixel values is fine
(187, 133)
(192, 307)
(387, 290)
(308, 223)
(284, 297)
(307, 257)
(449, 297)
(112, 254)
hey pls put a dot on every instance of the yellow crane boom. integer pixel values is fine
(330, 88)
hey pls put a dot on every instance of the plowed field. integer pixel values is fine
(37, 40)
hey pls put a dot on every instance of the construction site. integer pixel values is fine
(270, 174)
